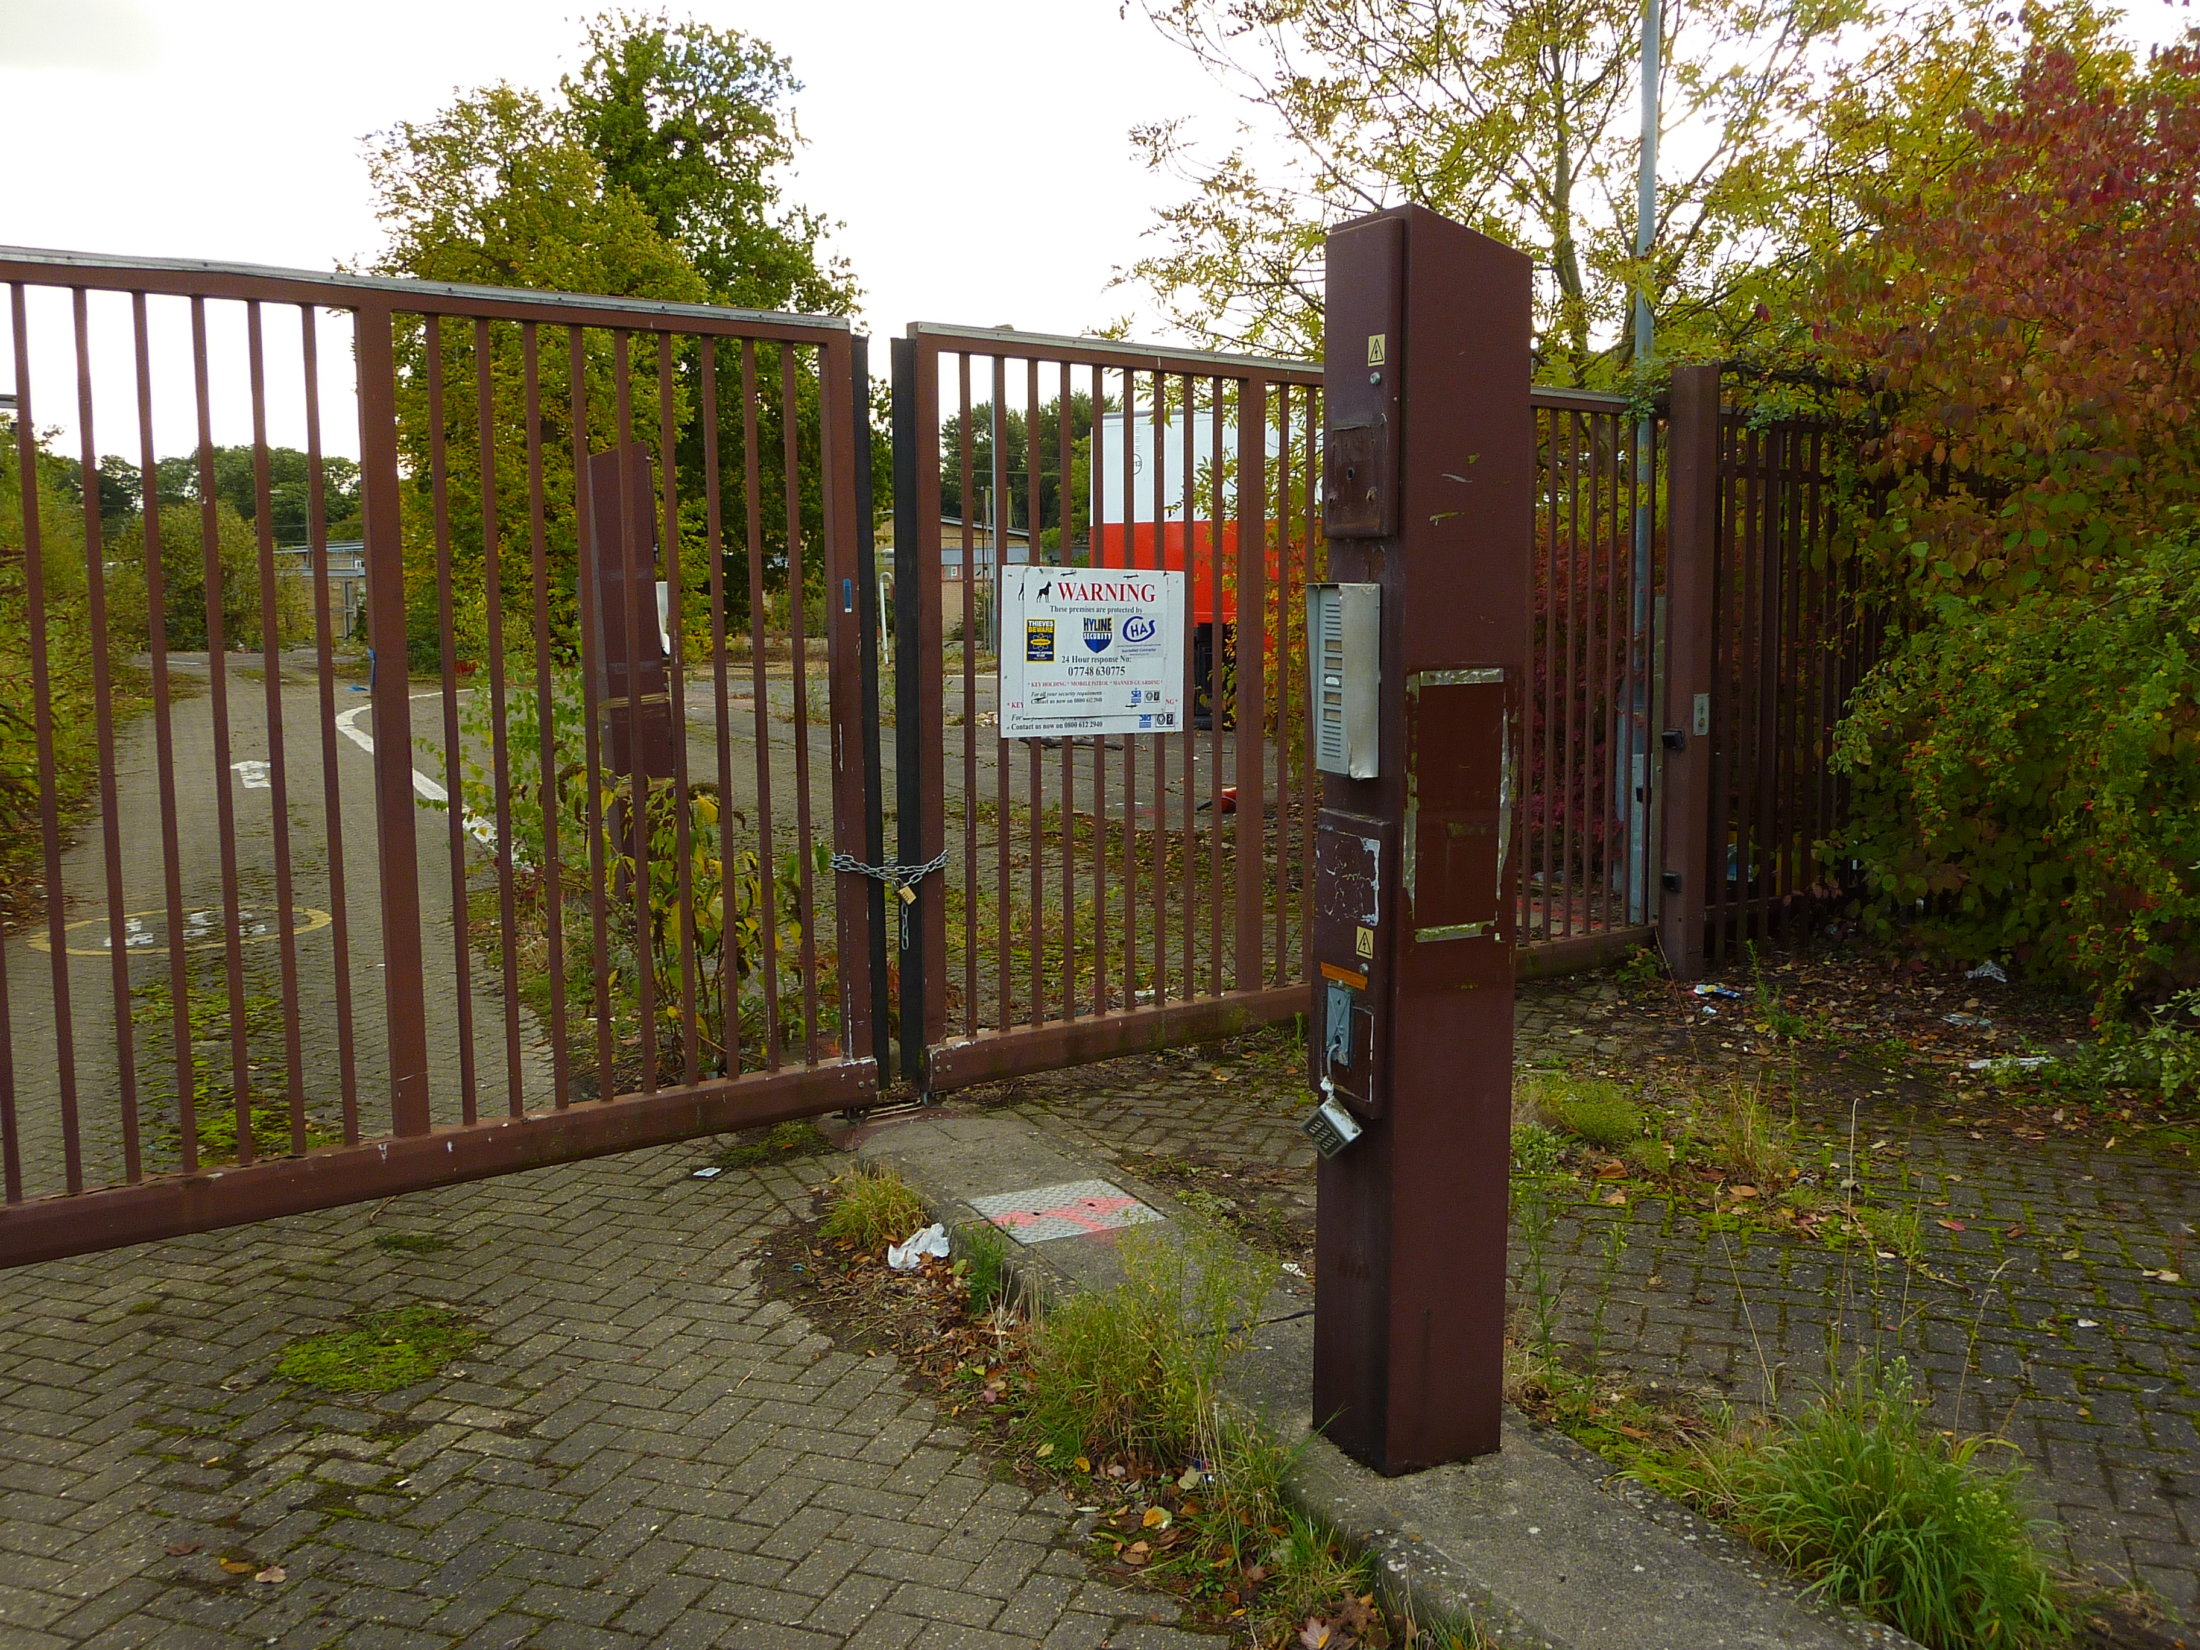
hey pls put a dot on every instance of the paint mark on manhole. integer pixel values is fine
(1076, 1208)
(206, 929)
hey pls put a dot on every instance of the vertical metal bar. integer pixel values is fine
(1188, 729)
(868, 890)
(404, 989)
(217, 648)
(1252, 677)
(714, 527)
(641, 793)
(439, 488)
(797, 621)
(278, 761)
(1160, 749)
(969, 698)
(1308, 787)
(1287, 473)
(1626, 658)
(1553, 673)
(760, 702)
(332, 793)
(1130, 742)
(500, 756)
(1065, 411)
(1100, 900)
(164, 747)
(1037, 827)
(49, 817)
(1578, 686)
(1725, 710)
(1692, 468)
(1004, 915)
(110, 809)
(919, 822)
(549, 795)
(668, 447)
(576, 346)
(1218, 717)
(844, 449)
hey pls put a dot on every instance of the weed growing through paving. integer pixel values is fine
(381, 1352)
(1113, 1397)
(777, 1144)
(981, 1252)
(874, 1208)
(411, 1243)
(213, 1069)
(1883, 1513)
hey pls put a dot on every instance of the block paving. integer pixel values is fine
(2084, 1364)
(641, 1450)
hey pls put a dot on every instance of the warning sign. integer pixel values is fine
(1091, 650)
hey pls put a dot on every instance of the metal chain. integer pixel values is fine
(903, 879)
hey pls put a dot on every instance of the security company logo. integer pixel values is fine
(1139, 628)
(1099, 633)
(1039, 641)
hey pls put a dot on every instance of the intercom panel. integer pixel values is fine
(1353, 860)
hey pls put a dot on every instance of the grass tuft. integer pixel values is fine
(1884, 1514)
(981, 1259)
(874, 1207)
(1536, 1149)
(1131, 1373)
(382, 1352)
(1589, 1109)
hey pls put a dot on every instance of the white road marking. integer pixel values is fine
(483, 831)
(255, 775)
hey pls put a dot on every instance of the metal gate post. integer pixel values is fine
(398, 856)
(874, 798)
(919, 805)
(1692, 458)
(1428, 478)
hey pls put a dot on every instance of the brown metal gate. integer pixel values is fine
(336, 929)
(1099, 895)
(533, 877)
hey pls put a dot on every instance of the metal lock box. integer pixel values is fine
(1344, 629)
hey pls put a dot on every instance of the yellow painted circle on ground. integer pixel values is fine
(205, 929)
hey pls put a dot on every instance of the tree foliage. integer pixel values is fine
(2025, 319)
(1517, 117)
(651, 175)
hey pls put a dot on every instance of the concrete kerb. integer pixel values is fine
(1544, 1545)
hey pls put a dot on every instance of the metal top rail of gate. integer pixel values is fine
(258, 980)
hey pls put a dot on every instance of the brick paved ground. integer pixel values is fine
(2084, 1364)
(641, 1450)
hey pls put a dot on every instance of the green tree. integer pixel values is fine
(1783, 121)
(660, 152)
(694, 123)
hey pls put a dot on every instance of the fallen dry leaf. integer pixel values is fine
(273, 1573)
(184, 1549)
(1953, 1225)
(1157, 1518)
(238, 1566)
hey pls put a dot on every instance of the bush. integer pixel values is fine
(2030, 773)
(1131, 1374)
(1885, 1514)
(875, 1207)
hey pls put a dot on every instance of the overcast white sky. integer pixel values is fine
(976, 151)
(942, 132)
